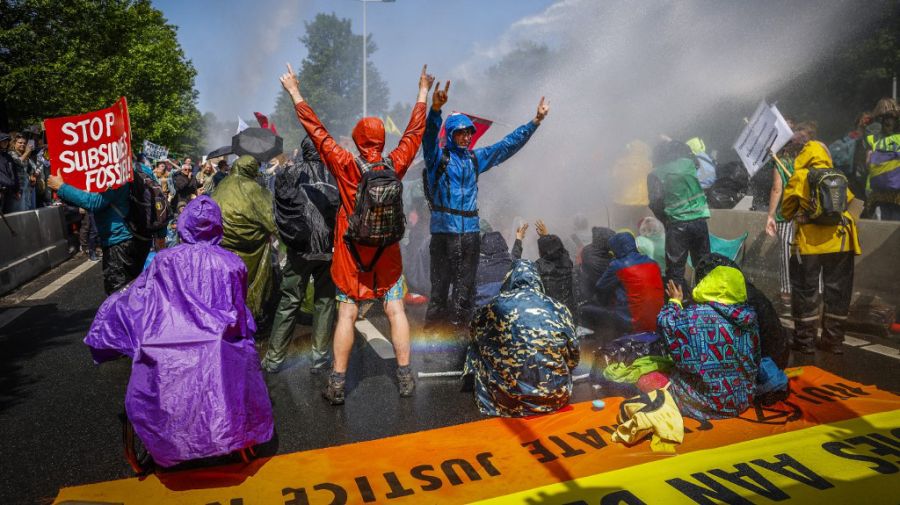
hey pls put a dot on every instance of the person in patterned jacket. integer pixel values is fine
(714, 344)
(523, 349)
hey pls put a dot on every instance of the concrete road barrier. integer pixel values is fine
(39, 245)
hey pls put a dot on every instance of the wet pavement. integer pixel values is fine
(59, 414)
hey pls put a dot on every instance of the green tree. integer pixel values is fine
(331, 79)
(65, 57)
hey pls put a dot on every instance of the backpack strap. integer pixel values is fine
(438, 175)
(359, 264)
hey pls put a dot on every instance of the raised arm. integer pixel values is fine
(431, 149)
(405, 151)
(493, 155)
(88, 201)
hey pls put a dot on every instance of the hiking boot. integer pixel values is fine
(803, 348)
(334, 392)
(405, 381)
(832, 348)
(92, 255)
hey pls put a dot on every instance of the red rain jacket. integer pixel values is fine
(368, 134)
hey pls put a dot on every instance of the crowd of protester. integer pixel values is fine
(250, 239)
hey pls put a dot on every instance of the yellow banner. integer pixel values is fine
(831, 439)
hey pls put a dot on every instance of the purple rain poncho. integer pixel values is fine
(196, 388)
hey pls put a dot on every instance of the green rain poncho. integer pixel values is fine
(249, 222)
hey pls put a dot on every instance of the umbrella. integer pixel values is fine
(218, 153)
(260, 143)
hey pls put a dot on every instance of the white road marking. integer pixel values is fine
(855, 342)
(62, 281)
(380, 344)
(890, 352)
(10, 315)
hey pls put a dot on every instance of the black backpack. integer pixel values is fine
(148, 209)
(377, 219)
(828, 194)
(439, 174)
(306, 205)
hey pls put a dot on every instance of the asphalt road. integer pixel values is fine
(59, 413)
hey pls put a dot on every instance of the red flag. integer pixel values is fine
(481, 126)
(264, 122)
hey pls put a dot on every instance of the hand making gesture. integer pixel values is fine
(540, 227)
(425, 82)
(674, 291)
(291, 84)
(440, 96)
(543, 109)
(520, 231)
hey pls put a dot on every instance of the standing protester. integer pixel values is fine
(27, 170)
(185, 185)
(825, 244)
(306, 205)
(361, 272)
(10, 191)
(248, 228)
(451, 187)
(123, 253)
(677, 200)
(883, 159)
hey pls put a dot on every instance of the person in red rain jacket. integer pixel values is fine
(384, 278)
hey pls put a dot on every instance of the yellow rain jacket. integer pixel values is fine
(629, 175)
(811, 238)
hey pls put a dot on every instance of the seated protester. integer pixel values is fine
(714, 344)
(651, 240)
(774, 340)
(196, 389)
(554, 265)
(631, 290)
(248, 224)
(494, 262)
(523, 349)
(595, 259)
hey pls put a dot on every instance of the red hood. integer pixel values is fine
(368, 134)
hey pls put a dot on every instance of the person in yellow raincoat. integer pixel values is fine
(248, 224)
(817, 249)
(629, 175)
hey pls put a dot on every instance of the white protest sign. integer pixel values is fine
(766, 131)
(154, 151)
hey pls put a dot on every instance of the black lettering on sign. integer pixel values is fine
(590, 438)
(823, 394)
(234, 501)
(840, 450)
(568, 450)
(846, 390)
(447, 467)
(537, 448)
(877, 447)
(365, 489)
(339, 494)
(879, 436)
(752, 481)
(712, 494)
(621, 498)
(397, 489)
(791, 468)
(807, 399)
(418, 473)
(297, 496)
(485, 460)
(608, 429)
(772, 415)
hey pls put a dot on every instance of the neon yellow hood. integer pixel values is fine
(725, 285)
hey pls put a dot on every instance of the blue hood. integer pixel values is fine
(622, 244)
(457, 121)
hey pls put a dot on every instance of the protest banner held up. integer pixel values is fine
(155, 151)
(767, 131)
(92, 151)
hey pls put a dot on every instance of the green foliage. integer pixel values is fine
(331, 80)
(66, 57)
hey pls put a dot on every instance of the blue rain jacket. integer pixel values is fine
(458, 188)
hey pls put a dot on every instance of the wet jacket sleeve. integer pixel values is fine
(665, 321)
(493, 155)
(655, 196)
(606, 284)
(87, 201)
(517, 249)
(333, 155)
(431, 149)
(409, 143)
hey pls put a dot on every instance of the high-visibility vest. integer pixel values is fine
(884, 160)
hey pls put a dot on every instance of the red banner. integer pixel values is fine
(481, 126)
(92, 151)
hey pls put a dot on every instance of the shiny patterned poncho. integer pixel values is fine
(523, 349)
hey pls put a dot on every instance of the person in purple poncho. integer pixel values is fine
(196, 388)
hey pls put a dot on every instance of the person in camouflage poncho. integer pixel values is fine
(523, 349)
(249, 222)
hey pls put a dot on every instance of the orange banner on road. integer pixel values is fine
(497, 458)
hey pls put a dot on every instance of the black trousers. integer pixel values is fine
(683, 238)
(454, 263)
(837, 278)
(123, 262)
